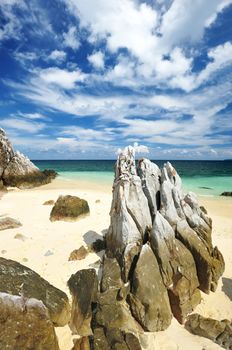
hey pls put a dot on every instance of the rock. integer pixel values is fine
(18, 279)
(130, 213)
(81, 344)
(177, 268)
(20, 237)
(25, 324)
(149, 300)
(111, 274)
(83, 287)
(17, 170)
(8, 223)
(150, 176)
(78, 254)
(209, 268)
(49, 202)
(97, 201)
(218, 331)
(48, 253)
(227, 194)
(69, 208)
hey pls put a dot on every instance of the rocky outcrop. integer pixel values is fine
(17, 170)
(7, 223)
(25, 324)
(17, 279)
(218, 331)
(159, 255)
(69, 208)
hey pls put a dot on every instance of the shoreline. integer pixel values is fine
(61, 238)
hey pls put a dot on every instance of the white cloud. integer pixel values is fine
(71, 39)
(23, 125)
(32, 116)
(97, 60)
(61, 77)
(58, 56)
(87, 134)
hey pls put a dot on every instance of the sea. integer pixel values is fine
(204, 177)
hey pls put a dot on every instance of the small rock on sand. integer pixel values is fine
(48, 253)
(7, 223)
(49, 202)
(78, 254)
(20, 237)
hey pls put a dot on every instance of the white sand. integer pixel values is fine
(60, 238)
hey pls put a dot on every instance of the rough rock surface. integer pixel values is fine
(49, 202)
(149, 298)
(69, 208)
(159, 254)
(83, 287)
(17, 279)
(25, 324)
(7, 223)
(17, 170)
(218, 331)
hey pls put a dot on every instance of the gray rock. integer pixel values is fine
(17, 170)
(17, 279)
(25, 324)
(150, 176)
(130, 214)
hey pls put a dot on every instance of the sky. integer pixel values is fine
(81, 78)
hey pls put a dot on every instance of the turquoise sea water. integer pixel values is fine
(209, 178)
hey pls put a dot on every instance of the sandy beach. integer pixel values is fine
(46, 247)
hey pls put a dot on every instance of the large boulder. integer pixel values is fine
(149, 298)
(218, 331)
(69, 208)
(17, 279)
(25, 324)
(17, 170)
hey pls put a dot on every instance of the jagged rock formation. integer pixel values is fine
(159, 255)
(25, 324)
(218, 331)
(17, 279)
(69, 208)
(17, 170)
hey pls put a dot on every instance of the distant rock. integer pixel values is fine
(16, 170)
(8, 223)
(49, 202)
(25, 324)
(69, 208)
(218, 331)
(18, 279)
(78, 254)
(227, 194)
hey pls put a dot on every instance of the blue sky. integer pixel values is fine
(81, 78)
